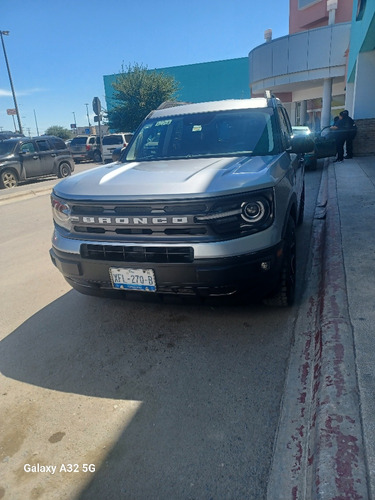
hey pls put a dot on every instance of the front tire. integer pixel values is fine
(285, 293)
(97, 157)
(8, 179)
(64, 170)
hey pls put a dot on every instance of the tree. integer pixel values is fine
(58, 131)
(137, 92)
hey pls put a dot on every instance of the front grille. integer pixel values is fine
(119, 253)
(178, 221)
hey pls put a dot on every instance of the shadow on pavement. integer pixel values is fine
(210, 379)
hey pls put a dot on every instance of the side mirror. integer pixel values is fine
(116, 154)
(302, 144)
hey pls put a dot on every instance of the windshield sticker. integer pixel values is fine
(162, 123)
(197, 128)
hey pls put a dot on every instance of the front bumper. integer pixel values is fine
(254, 272)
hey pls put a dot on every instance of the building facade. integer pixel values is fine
(211, 81)
(307, 68)
(325, 64)
(360, 93)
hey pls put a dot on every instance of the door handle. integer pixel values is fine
(53, 155)
(35, 157)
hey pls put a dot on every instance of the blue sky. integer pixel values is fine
(59, 51)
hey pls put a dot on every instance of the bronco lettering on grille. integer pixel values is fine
(135, 220)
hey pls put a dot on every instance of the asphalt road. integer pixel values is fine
(133, 399)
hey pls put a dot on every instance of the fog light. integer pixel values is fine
(265, 265)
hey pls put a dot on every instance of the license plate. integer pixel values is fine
(133, 279)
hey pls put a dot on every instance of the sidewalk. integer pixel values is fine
(356, 201)
(325, 446)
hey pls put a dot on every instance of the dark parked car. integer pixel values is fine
(324, 144)
(25, 158)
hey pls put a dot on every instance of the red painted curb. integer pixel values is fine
(338, 461)
(318, 451)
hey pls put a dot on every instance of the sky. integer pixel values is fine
(59, 51)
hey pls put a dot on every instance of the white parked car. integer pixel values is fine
(113, 141)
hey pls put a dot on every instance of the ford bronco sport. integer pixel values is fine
(205, 200)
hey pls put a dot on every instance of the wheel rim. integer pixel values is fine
(9, 180)
(65, 170)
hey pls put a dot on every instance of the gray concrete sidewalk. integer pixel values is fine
(325, 446)
(356, 201)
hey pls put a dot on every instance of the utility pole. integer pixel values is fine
(11, 82)
(87, 111)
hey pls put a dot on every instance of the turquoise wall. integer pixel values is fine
(362, 36)
(211, 81)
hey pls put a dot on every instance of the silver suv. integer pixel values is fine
(205, 200)
(113, 141)
(86, 148)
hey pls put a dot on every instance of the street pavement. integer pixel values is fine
(325, 447)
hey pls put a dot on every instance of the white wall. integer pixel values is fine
(363, 101)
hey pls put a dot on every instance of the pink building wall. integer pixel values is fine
(316, 14)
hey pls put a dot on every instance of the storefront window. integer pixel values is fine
(302, 4)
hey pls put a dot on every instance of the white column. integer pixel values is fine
(303, 112)
(326, 104)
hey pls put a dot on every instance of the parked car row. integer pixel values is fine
(88, 147)
(24, 158)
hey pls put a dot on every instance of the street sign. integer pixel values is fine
(96, 105)
(11, 112)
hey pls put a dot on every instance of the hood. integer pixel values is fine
(174, 178)
(7, 156)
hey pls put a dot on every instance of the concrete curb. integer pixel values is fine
(21, 195)
(318, 452)
(339, 463)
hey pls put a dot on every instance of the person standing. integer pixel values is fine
(351, 132)
(345, 131)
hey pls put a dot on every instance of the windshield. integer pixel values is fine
(7, 147)
(78, 140)
(111, 140)
(221, 133)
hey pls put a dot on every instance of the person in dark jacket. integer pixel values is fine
(345, 131)
(351, 132)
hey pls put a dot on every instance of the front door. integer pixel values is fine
(47, 156)
(30, 159)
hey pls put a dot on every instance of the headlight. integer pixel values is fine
(61, 212)
(255, 211)
(240, 215)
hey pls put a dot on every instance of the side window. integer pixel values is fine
(285, 128)
(27, 147)
(58, 143)
(43, 145)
